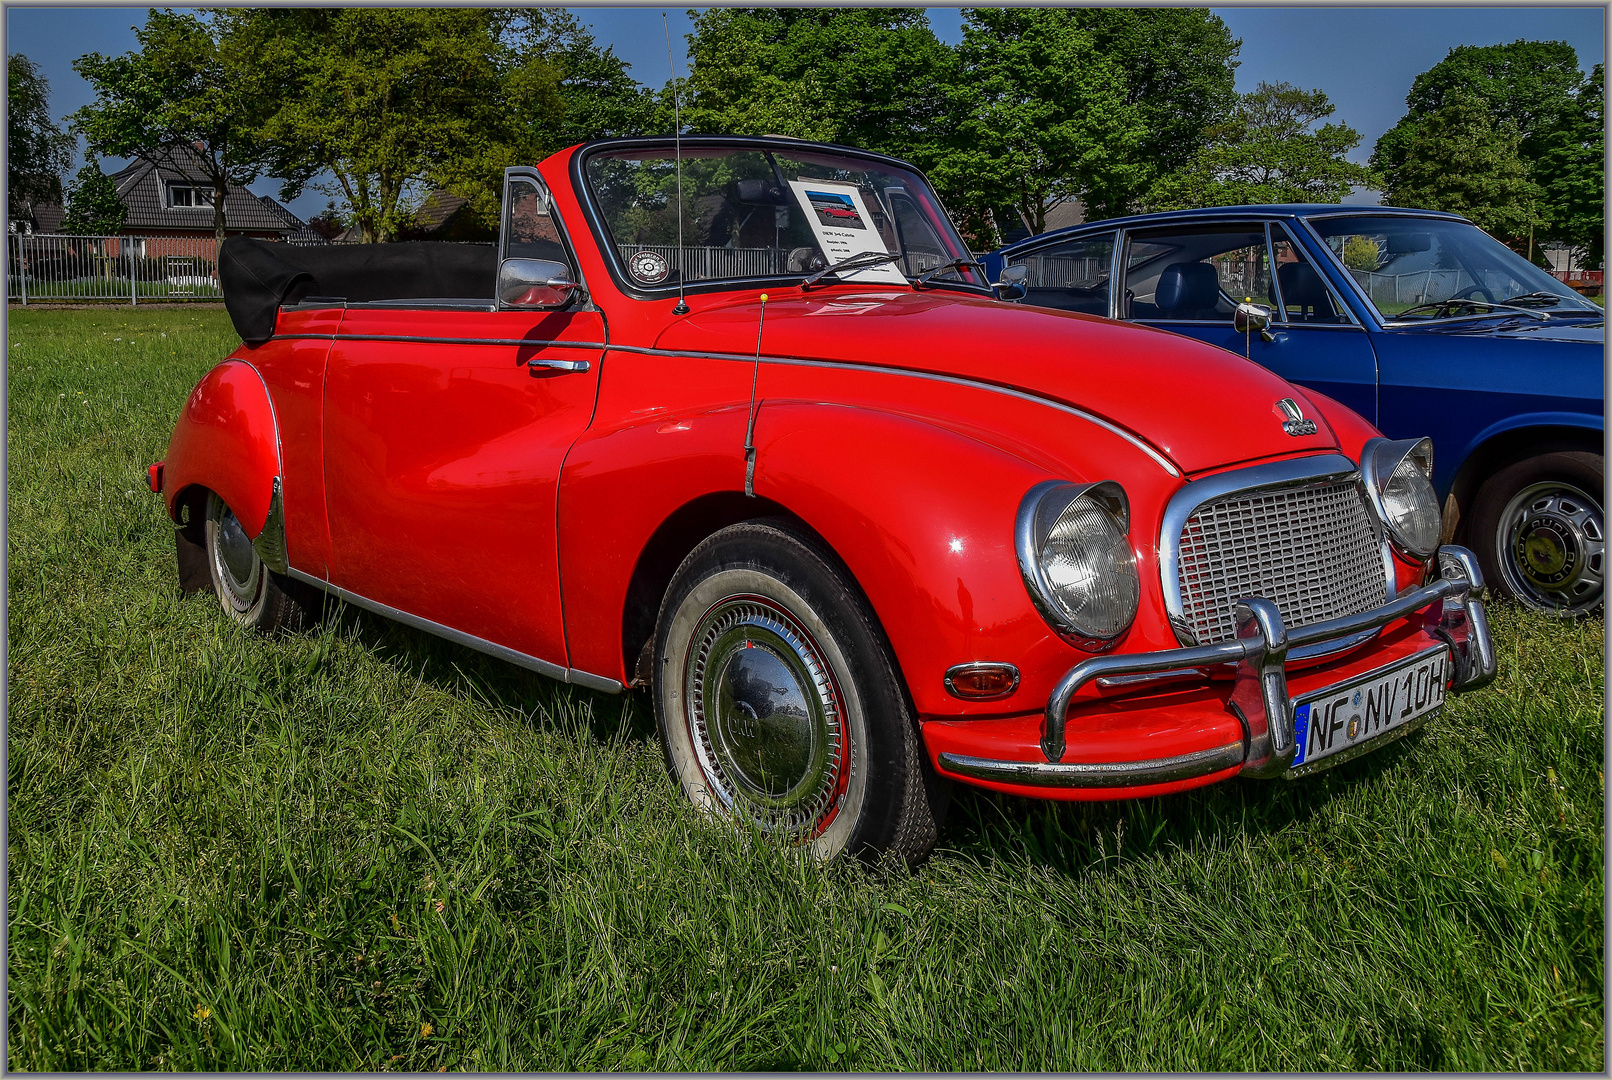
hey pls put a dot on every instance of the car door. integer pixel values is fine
(1189, 279)
(447, 422)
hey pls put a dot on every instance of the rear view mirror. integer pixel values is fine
(1014, 281)
(1250, 317)
(761, 193)
(1403, 243)
(536, 283)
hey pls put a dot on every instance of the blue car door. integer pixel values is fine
(1189, 279)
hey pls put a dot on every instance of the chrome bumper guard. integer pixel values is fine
(1451, 612)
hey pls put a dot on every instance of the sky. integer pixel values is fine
(1365, 58)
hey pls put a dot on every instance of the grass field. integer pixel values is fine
(364, 848)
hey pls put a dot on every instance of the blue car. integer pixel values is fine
(1419, 321)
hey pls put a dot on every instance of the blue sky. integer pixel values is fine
(1363, 57)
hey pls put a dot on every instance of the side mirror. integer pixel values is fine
(536, 283)
(1251, 317)
(1015, 278)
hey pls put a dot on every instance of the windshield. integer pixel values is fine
(1414, 268)
(771, 212)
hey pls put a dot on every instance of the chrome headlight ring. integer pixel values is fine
(1072, 542)
(1398, 479)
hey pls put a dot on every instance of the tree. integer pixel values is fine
(37, 151)
(1180, 71)
(180, 101)
(601, 98)
(1464, 162)
(93, 206)
(389, 102)
(1529, 84)
(1270, 151)
(869, 77)
(1038, 116)
(1572, 171)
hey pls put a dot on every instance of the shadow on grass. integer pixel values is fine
(981, 826)
(1079, 837)
(459, 669)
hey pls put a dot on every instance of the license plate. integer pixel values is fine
(1352, 713)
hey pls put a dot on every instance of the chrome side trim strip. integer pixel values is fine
(520, 659)
(407, 339)
(1103, 774)
(975, 384)
(1092, 418)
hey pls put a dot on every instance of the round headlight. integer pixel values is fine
(1398, 478)
(1076, 560)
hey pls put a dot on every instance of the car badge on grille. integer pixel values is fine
(1295, 424)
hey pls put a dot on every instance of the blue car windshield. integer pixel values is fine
(1416, 269)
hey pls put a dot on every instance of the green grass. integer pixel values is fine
(228, 852)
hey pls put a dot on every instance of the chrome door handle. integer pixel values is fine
(536, 365)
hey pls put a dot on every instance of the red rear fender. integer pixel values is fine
(228, 442)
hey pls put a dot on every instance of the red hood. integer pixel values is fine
(1199, 405)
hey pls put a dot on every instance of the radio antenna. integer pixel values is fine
(677, 136)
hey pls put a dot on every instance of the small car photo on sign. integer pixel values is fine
(834, 208)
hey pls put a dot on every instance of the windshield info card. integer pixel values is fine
(840, 220)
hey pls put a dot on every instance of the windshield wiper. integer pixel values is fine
(860, 261)
(1438, 306)
(1551, 297)
(946, 268)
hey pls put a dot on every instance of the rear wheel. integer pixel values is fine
(251, 593)
(1539, 529)
(779, 704)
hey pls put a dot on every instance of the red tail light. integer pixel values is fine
(154, 477)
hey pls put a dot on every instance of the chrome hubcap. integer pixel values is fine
(234, 557)
(1553, 547)
(766, 717)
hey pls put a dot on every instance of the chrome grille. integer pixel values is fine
(1311, 549)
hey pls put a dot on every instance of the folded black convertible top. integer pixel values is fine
(257, 276)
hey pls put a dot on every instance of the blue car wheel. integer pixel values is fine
(1539, 527)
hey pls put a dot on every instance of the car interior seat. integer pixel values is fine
(1188, 291)
(1304, 294)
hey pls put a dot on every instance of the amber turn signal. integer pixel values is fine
(982, 681)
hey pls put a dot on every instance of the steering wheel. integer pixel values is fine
(1472, 290)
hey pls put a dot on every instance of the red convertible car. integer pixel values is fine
(859, 527)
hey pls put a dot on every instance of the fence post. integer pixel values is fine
(22, 270)
(134, 287)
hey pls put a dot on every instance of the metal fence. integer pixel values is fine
(114, 268)
(1415, 288)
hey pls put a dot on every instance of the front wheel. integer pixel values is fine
(1540, 532)
(779, 704)
(251, 593)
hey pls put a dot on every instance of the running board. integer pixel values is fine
(459, 637)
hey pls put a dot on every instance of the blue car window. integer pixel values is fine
(1072, 276)
(1305, 295)
(1196, 273)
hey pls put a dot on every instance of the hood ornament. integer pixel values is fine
(1295, 424)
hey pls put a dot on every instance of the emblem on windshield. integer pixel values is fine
(1295, 424)
(650, 267)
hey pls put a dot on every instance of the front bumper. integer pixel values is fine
(1447, 610)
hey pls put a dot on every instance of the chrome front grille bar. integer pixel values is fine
(1259, 699)
(1260, 650)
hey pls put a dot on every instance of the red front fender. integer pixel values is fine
(227, 441)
